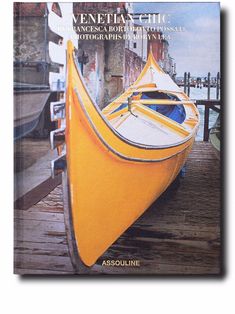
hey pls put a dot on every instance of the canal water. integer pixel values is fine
(201, 93)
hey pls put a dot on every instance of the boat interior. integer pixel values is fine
(151, 117)
(172, 111)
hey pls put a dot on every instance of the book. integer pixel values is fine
(117, 138)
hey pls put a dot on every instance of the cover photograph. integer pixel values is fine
(117, 159)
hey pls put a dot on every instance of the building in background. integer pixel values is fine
(61, 23)
(39, 63)
(103, 68)
(32, 34)
(108, 66)
(160, 50)
(138, 36)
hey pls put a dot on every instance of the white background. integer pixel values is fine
(118, 295)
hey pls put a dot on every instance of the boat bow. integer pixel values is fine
(113, 179)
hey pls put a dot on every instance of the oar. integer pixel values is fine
(158, 102)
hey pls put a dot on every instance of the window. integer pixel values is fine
(134, 45)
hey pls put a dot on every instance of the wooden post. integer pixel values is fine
(217, 85)
(206, 124)
(129, 103)
(81, 67)
(185, 81)
(188, 84)
(208, 85)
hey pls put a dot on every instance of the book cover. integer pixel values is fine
(117, 110)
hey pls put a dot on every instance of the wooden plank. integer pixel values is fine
(52, 248)
(37, 248)
(217, 85)
(169, 233)
(159, 269)
(44, 227)
(209, 86)
(43, 262)
(185, 82)
(22, 271)
(36, 194)
(38, 215)
(153, 257)
(188, 87)
(39, 231)
(206, 124)
(53, 203)
(208, 102)
(172, 237)
(159, 102)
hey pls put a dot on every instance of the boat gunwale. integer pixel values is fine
(32, 91)
(115, 132)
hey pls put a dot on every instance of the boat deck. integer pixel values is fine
(139, 129)
(178, 234)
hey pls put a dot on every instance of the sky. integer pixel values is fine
(197, 49)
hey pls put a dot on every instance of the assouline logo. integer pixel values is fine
(121, 263)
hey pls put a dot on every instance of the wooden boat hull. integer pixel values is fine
(28, 105)
(215, 137)
(110, 179)
(110, 193)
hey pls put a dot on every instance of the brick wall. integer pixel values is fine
(104, 71)
(31, 49)
(93, 71)
(29, 46)
(133, 66)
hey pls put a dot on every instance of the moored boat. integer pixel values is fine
(215, 137)
(120, 159)
(29, 102)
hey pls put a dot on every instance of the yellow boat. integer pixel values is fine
(121, 159)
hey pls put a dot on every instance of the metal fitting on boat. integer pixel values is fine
(57, 137)
(58, 165)
(57, 110)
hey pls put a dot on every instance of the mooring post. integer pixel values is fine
(185, 81)
(206, 124)
(217, 85)
(188, 84)
(208, 85)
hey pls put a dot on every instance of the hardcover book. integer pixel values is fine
(117, 138)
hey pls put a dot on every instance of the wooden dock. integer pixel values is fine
(179, 234)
